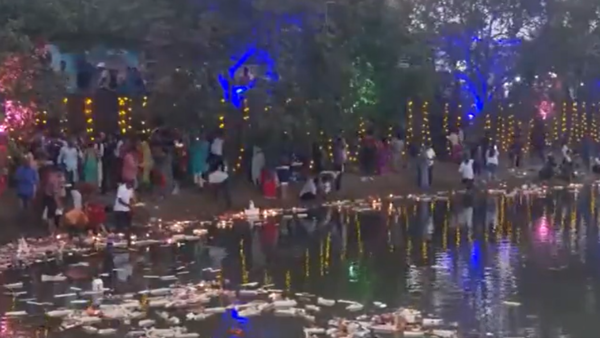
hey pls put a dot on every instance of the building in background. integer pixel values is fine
(101, 68)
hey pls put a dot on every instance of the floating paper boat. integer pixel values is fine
(57, 278)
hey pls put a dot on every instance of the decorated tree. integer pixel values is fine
(478, 42)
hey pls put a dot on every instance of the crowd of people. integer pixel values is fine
(60, 172)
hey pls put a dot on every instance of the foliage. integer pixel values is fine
(338, 62)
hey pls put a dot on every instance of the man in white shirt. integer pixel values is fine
(69, 158)
(218, 181)
(430, 156)
(216, 150)
(122, 207)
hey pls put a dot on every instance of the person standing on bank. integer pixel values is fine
(430, 156)
(69, 158)
(216, 151)
(123, 206)
(218, 180)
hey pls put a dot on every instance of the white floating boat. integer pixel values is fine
(106, 332)
(282, 304)
(354, 307)
(57, 278)
(59, 313)
(325, 302)
(13, 286)
(89, 329)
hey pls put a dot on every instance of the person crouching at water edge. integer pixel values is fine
(218, 181)
(309, 190)
(283, 176)
(123, 207)
(596, 166)
(467, 173)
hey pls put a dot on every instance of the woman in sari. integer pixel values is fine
(383, 155)
(258, 163)
(146, 163)
(130, 166)
(90, 165)
(198, 159)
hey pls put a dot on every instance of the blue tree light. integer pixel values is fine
(487, 64)
(235, 93)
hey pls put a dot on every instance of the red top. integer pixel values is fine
(96, 213)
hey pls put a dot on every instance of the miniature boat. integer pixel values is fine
(212, 310)
(286, 313)
(89, 329)
(13, 286)
(325, 302)
(106, 332)
(158, 303)
(168, 278)
(250, 312)
(312, 308)
(57, 278)
(384, 328)
(282, 304)
(59, 313)
(160, 292)
(252, 211)
(354, 307)
(146, 323)
(445, 333)
(186, 335)
(89, 320)
(15, 314)
(508, 303)
(248, 293)
(314, 330)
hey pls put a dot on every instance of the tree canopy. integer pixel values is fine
(337, 62)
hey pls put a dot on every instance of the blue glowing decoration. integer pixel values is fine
(232, 325)
(484, 74)
(235, 93)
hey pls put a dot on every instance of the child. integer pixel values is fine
(27, 180)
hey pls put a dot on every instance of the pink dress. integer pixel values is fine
(130, 168)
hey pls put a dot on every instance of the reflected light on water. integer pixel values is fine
(456, 260)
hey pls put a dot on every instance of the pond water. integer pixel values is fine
(461, 260)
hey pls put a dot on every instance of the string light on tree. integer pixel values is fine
(63, 117)
(425, 134)
(409, 131)
(122, 115)
(556, 126)
(574, 132)
(222, 117)
(528, 141)
(499, 125)
(585, 131)
(89, 118)
(511, 131)
(488, 123)
(563, 120)
(447, 125)
(594, 119)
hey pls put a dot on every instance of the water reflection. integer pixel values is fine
(461, 259)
